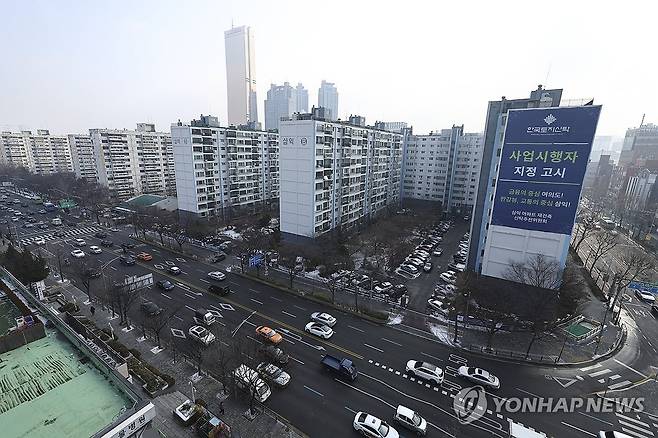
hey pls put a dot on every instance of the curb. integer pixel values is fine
(307, 297)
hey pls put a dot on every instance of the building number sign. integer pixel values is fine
(289, 141)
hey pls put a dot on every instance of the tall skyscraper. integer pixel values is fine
(302, 98)
(640, 143)
(328, 98)
(241, 76)
(284, 101)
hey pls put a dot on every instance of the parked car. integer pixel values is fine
(78, 253)
(410, 269)
(79, 242)
(425, 370)
(217, 257)
(92, 273)
(437, 306)
(438, 252)
(165, 285)
(319, 329)
(274, 374)
(371, 426)
(411, 420)
(95, 250)
(39, 241)
(269, 334)
(107, 243)
(645, 296)
(324, 318)
(384, 287)
(101, 235)
(201, 334)
(449, 277)
(144, 256)
(275, 353)
(427, 267)
(479, 376)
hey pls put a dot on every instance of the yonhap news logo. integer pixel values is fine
(470, 404)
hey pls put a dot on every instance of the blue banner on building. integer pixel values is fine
(542, 166)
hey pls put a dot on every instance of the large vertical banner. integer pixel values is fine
(542, 166)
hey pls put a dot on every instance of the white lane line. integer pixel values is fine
(166, 296)
(595, 418)
(632, 433)
(578, 429)
(254, 290)
(529, 393)
(350, 409)
(298, 307)
(204, 280)
(277, 299)
(192, 297)
(392, 342)
(113, 268)
(615, 377)
(289, 314)
(600, 373)
(374, 348)
(297, 360)
(155, 250)
(184, 286)
(620, 384)
(430, 356)
(641, 423)
(256, 301)
(190, 308)
(592, 367)
(637, 430)
(313, 390)
(357, 329)
(178, 317)
(630, 368)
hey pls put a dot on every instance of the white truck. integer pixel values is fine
(518, 430)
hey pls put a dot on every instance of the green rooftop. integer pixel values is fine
(50, 389)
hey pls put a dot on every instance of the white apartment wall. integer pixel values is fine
(14, 150)
(82, 155)
(184, 168)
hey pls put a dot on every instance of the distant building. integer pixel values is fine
(82, 154)
(282, 102)
(41, 153)
(641, 191)
(443, 167)
(302, 98)
(219, 169)
(328, 98)
(335, 174)
(640, 144)
(399, 127)
(241, 76)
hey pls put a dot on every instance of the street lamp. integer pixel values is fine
(193, 391)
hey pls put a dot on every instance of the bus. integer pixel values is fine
(49, 206)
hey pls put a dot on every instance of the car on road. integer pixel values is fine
(372, 427)
(273, 373)
(216, 275)
(217, 257)
(127, 260)
(114, 230)
(438, 252)
(425, 370)
(101, 235)
(201, 334)
(79, 242)
(645, 296)
(480, 376)
(323, 318)
(127, 245)
(219, 290)
(165, 284)
(174, 270)
(78, 253)
(275, 353)
(107, 243)
(383, 287)
(150, 308)
(39, 241)
(269, 334)
(95, 250)
(410, 419)
(144, 256)
(318, 329)
(427, 267)
(449, 277)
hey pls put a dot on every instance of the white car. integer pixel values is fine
(217, 275)
(411, 269)
(415, 262)
(371, 426)
(645, 296)
(422, 252)
(324, 318)
(95, 250)
(384, 287)
(79, 242)
(437, 252)
(201, 334)
(449, 277)
(317, 329)
(39, 241)
(273, 373)
(478, 375)
(78, 253)
(411, 420)
(427, 267)
(425, 371)
(437, 306)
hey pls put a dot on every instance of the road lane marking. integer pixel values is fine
(113, 268)
(392, 342)
(592, 367)
(165, 295)
(256, 301)
(276, 299)
(204, 280)
(178, 317)
(433, 357)
(641, 423)
(289, 314)
(192, 297)
(600, 373)
(357, 329)
(190, 308)
(578, 429)
(374, 348)
(595, 418)
(528, 392)
(630, 368)
(638, 429)
(299, 307)
(184, 286)
(254, 290)
(350, 409)
(620, 384)
(615, 377)
(313, 390)
(296, 360)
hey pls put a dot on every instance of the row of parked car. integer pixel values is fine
(420, 258)
(353, 280)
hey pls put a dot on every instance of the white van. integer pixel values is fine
(246, 378)
(56, 221)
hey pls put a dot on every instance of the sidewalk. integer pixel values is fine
(207, 388)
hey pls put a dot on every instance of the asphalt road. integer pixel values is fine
(323, 406)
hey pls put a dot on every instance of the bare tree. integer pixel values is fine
(85, 274)
(604, 242)
(158, 323)
(587, 225)
(538, 271)
(634, 264)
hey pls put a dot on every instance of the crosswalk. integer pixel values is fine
(633, 426)
(68, 233)
(603, 375)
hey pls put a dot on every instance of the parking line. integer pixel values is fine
(433, 357)
(297, 360)
(578, 429)
(277, 299)
(192, 297)
(190, 308)
(313, 390)
(299, 307)
(254, 290)
(165, 295)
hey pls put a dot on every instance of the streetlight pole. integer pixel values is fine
(193, 391)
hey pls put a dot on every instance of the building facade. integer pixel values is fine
(491, 149)
(131, 163)
(40, 152)
(282, 102)
(220, 169)
(641, 191)
(14, 150)
(640, 144)
(443, 167)
(241, 76)
(328, 98)
(82, 155)
(335, 174)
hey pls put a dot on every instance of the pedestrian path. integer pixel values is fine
(631, 424)
(68, 233)
(603, 375)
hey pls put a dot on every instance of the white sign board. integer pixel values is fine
(135, 282)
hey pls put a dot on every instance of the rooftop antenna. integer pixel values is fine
(642, 122)
(548, 73)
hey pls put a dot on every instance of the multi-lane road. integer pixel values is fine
(323, 406)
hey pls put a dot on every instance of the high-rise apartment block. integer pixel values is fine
(492, 146)
(82, 154)
(328, 98)
(335, 174)
(41, 153)
(640, 144)
(223, 168)
(131, 163)
(282, 102)
(241, 76)
(443, 167)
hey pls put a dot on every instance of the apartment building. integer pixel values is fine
(223, 169)
(82, 155)
(335, 174)
(40, 153)
(443, 167)
(131, 163)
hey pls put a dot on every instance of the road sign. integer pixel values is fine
(255, 260)
(640, 285)
(135, 282)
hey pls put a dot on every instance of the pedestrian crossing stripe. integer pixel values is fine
(67, 234)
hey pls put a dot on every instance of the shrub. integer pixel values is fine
(69, 307)
(170, 380)
(135, 352)
(119, 348)
(201, 402)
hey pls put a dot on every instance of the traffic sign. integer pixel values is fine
(255, 260)
(640, 285)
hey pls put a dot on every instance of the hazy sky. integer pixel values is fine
(72, 65)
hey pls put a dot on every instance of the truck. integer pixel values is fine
(343, 367)
(518, 430)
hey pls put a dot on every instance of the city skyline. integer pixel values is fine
(55, 73)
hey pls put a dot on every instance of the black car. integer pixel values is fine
(274, 353)
(127, 245)
(217, 257)
(101, 235)
(107, 243)
(150, 308)
(165, 284)
(398, 291)
(219, 290)
(92, 272)
(59, 233)
(127, 260)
